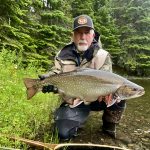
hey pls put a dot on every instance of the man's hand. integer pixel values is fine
(42, 77)
(107, 99)
(48, 88)
(76, 102)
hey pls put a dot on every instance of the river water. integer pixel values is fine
(140, 107)
(136, 120)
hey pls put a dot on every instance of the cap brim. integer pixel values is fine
(83, 26)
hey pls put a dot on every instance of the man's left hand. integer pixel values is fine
(107, 99)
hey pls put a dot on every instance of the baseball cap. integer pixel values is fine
(83, 21)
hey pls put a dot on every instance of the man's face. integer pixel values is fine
(83, 38)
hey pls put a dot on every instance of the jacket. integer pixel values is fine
(68, 59)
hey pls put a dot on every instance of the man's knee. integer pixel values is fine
(68, 120)
(67, 128)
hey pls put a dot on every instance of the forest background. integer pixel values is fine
(37, 29)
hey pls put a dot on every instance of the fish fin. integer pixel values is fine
(31, 88)
(68, 99)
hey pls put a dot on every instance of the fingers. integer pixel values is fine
(76, 102)
(110, 100)
(100, 98)
(105, 98)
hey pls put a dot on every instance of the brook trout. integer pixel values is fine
(87, 85)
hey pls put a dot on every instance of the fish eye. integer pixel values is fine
(134, 89)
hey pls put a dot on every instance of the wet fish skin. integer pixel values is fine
(87, 85)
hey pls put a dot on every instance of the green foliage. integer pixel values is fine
(104, 24)
(82, 7)
(38, 37)
(20, 117)
(134, 24)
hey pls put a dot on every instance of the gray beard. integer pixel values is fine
(82, 48)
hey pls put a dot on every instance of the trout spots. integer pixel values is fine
(87, 84)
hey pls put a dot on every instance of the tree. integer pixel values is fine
(133, 19)
(104, 24)
(82, 7)
(35, 29)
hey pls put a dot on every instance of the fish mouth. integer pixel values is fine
(141, 92)
(118, 97)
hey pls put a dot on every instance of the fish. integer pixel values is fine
(88, 85)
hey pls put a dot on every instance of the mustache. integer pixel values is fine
(82, 42)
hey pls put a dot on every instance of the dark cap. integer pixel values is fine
(83, 21)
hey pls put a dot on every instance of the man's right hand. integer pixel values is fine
(48, 88)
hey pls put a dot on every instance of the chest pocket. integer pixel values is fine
(99, 59)
(66, 65)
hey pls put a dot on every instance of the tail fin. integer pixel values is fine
(31, 88)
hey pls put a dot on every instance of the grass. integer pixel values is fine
(30, 119)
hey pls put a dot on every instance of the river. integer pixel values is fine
(137, 117)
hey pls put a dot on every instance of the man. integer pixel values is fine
(84, 51)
